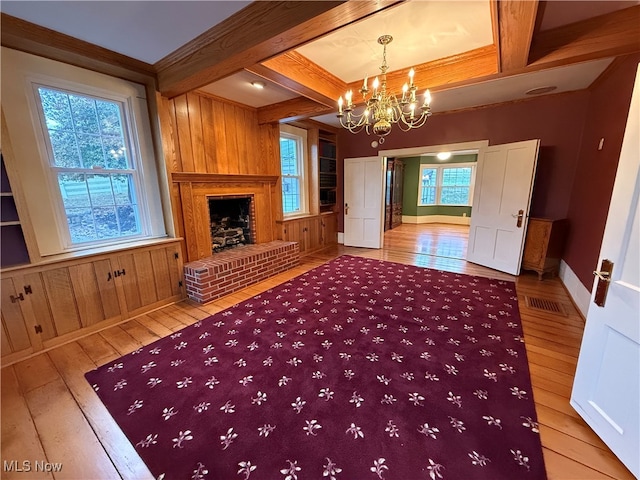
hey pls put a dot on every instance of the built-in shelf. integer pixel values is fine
(328, 177)
(13, 249)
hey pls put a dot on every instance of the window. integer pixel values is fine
(292, 162)
(92, 162)
(84, 154)
(450, 184)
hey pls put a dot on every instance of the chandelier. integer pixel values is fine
(383, 109)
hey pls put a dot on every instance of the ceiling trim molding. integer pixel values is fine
(466, 66)
(30, 38)
(609, 35)
(255, 34)
(516, 24)
(290, 110)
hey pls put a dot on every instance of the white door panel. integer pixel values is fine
(363, 201)
(606, 389)
(504, 183)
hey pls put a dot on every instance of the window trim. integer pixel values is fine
(299, 135)
(52, 171)
(440, 167)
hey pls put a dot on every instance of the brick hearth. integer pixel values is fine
(225, 272)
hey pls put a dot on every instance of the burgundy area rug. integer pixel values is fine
(359, 369)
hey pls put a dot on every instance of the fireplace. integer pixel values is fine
(231, 220)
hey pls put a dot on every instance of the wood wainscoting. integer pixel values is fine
(194, 188)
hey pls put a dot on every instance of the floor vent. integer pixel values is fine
(545, 305)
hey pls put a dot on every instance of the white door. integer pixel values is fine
(606, 389)
(363, 201)
(501, 200)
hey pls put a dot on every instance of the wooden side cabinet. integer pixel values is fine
(45, 305)
(543, 245)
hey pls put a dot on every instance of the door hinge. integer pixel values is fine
(14, 299)
(27, 290)
(38, 328)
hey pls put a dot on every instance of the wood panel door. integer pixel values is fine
(364, 201)
(501, 201)
(149, 276)
(606, 390)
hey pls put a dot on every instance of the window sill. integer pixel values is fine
(90, 252)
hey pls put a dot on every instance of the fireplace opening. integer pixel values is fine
(231, 222)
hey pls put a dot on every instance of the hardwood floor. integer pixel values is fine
(50, 412)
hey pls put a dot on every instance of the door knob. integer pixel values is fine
(604, 279)
(519, 216)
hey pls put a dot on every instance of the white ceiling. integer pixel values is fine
(423, 30)
(144, 30)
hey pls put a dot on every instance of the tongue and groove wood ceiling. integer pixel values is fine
(308, 53)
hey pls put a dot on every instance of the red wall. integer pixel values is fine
(573, 179)
(608, 109)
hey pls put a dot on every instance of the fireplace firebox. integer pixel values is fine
(231, 221)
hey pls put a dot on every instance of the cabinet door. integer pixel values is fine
(13, 322)
(57, 284)
(314, 234)
(149, 276)
(39, 304)
(329, 230)
(166, 264)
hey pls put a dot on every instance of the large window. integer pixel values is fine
(91, 159)
(292, 163)
(446, 184)
(84, 155)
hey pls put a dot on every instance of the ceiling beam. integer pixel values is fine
(297, 73)
(255, 34)
(609, 35)
(295, 109)
(516, 24)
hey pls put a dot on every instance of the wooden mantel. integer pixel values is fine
(190, 177)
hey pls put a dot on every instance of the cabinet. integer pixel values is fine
(47, 304)
(544, 243)
(393, 193)
(312, 233)
(327, 174)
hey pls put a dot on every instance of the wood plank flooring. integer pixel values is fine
(50, 413)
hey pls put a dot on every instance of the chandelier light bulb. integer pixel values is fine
(340, 102)
(411, 74)
(427, 97)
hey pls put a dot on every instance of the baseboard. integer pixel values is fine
(450, 219)
(341, 238)
(579, 294)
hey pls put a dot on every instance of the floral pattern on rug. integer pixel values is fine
(358, 369)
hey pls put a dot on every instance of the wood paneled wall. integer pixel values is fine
(212, 135)
(207, 135)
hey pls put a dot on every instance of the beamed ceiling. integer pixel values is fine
(309, 53)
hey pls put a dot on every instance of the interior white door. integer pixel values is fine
(606, 389)
(363, 201)
(501, 200)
